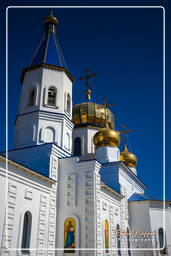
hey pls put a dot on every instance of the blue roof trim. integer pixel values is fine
(112, 185)
(113, 189)
(42, 174)
(130, 171)
(110, 181)
(141, 197)
(39, 145)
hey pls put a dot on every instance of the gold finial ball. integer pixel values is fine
(106, 137)
(51, 19)
(128, 158)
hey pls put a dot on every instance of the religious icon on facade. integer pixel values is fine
(106, 230)
(69, 235)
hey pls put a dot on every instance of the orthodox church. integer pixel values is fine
(66, 188)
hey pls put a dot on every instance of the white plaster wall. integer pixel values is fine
(26, 130)
(86, 134)
(32, 78)
(140, 219)
(161, 218)
(107, 154)
(149, 216)
(43, 78)
(111, 211)
(139, 215)
(26, 193)
(30, 129)
(30, 126)
(76, 198)
(129, 183)
(61, 82)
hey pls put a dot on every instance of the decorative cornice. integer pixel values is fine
(44, 65)
(46, 112)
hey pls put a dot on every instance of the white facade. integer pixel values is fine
(41, 122)
(86, 135)
(54, 203)
(26, 191)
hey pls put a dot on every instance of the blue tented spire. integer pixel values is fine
(49, 51)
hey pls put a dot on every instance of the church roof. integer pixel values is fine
(110, 182)
(25, 169)
(142, 197)
(111, 189)
(49, 51)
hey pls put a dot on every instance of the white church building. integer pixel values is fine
(66, 188)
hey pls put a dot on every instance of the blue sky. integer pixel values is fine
(124, 48)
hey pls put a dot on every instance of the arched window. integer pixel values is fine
(161, 240)
(128, 241)
(118, 240)
(52, 96)
(26, 231)
(49, 134)
(69, 235)
(31, 101)
(68, 103)
(77, 146)
(106, 231)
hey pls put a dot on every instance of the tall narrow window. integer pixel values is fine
(77, 146)
(161, 241)
(51, 97)
(69, 235)
(118, 240)
(67, 141)
(106, 230)
(68, 103)
(128, 241)
(26, 231)
(31, 101)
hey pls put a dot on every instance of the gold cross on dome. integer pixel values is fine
(87, 78)
(88, 85)
(124, 131)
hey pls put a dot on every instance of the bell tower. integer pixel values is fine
(45, 110)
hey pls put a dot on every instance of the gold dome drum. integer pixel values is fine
(128, 158)
(106, 137)
(89, 113)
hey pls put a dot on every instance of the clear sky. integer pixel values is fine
(124, 47)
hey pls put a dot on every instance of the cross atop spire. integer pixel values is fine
(88, 85)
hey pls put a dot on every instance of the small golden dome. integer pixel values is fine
(129, 158)
(106, 137)
(51, 19)
(89, 113)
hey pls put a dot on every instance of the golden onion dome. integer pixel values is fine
(128, 158)
(90, 113)
(106, 137)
